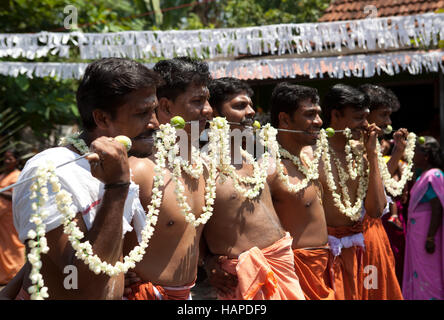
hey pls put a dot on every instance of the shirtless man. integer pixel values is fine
(169, 267)
(247, 233)
(295, 107)
(377, 244)
(347, 107)
(115, 97)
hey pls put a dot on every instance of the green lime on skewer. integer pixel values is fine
(330, 132)
(421, 140)
(178, 122)
(388, 129)
(125, 141)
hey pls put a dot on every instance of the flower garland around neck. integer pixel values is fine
(394, 187)
(38, 242)
(166, 145)
(83, 251)
(311, 173)
(349, 152)
(346, 208)
(220, 135)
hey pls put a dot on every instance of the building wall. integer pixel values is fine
(418, 95)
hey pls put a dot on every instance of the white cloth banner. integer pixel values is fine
(368, 34)
(335, 67)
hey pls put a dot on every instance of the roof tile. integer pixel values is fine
(354, 9)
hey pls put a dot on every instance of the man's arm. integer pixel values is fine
(109, 164)
(13, 287)
(400, 140)
(375, 200)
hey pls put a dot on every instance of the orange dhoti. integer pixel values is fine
(12, 251)
(347, 245)
(149, 291)
(266, 274)
(380, 281)
(312, 268)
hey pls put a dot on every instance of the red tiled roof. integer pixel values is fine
(355, 9)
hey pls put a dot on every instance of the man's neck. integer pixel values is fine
(89, 137)
(337, 142)
(291, 146)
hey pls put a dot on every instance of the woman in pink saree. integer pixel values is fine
(423, 277)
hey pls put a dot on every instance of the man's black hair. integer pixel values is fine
(393, 100)
(341, 96)
(286, 97)
(107, 83)
(223, 89)
(380, 97)
(179, 73)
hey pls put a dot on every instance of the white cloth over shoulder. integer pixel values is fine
(87, 193)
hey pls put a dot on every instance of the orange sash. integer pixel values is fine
(378, 253)
(266, 274)
(312, 268)
(346, 268)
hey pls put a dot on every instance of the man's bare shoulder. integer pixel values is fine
(137, 164)
(309, 151)
(141, 168)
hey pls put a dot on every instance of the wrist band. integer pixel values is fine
(117, 185)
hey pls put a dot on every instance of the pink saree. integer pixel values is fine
(423, 277)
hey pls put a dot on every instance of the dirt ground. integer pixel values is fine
(202, 290)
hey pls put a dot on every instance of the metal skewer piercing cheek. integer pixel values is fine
(59, 166)
(122, 139)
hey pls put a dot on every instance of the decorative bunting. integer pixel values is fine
(335, 67)
(368, 34)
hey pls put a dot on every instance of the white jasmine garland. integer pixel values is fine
(349, 151)
(220, 133)
(167, 135)
(38, 242)
(311, 173)
(193, 171)
(345, 206)
(83, 250)
(394, 187)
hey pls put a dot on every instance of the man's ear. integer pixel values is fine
(284, 120)
(164, 113)
(101, 118)
(335, 114)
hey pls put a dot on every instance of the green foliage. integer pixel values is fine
(40, 103)
(93, 16)
(245, 13)
(43, 103)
